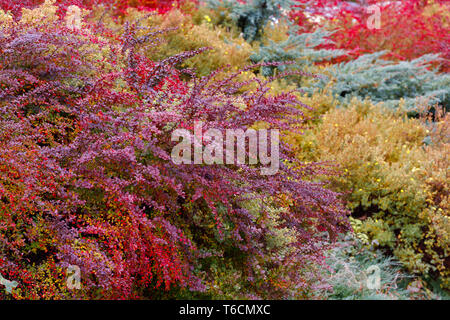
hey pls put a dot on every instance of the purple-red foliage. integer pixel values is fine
(86, 176)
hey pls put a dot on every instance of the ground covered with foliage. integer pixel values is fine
(91, 92)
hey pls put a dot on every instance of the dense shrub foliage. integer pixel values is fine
(399, 186)
(119, 7)
(408, 29)
(86, 125)
(348, 263)
(409, 85)
(91, 92)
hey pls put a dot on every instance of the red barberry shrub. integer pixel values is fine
(408, 30)
(87, 179)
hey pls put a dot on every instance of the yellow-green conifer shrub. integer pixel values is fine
(216, 16)
(227, 49)
(398, 185)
